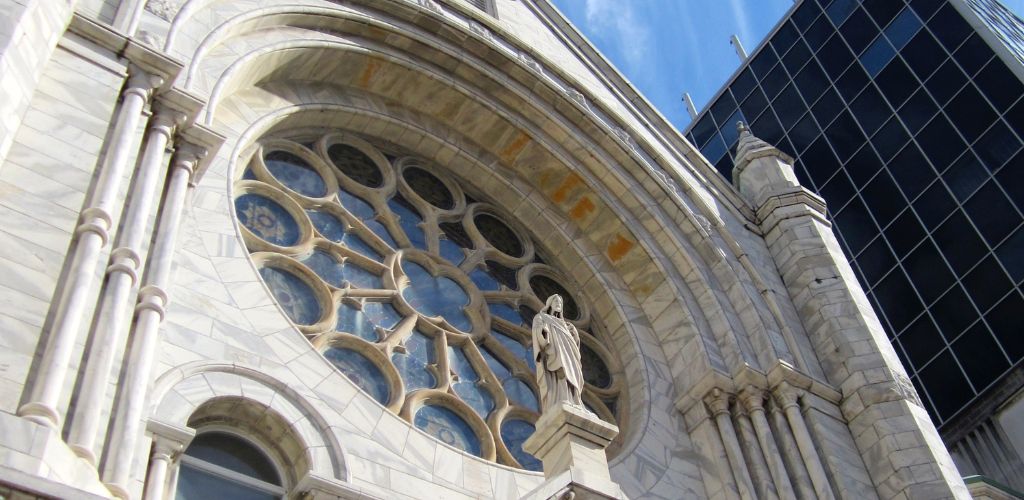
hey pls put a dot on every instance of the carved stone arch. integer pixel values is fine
(737, 315)
(234, 395)
(634, 334)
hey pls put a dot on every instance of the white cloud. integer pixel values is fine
(617, 23)
(740, 14)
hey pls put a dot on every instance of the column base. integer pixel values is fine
(32, 455)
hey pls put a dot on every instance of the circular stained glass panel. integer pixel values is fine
(295, 173)
(499, 235)
(428, 187)
(513, 433)
(545, 287)
(595, 372)
(361, 371)
(356, 165)
(293, 294)
(448, 427)
(267, 219)
(436, 296)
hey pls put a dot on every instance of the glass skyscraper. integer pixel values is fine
(908, 118)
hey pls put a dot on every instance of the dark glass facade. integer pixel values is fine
(911, 127)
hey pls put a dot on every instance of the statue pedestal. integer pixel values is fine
(571, 443)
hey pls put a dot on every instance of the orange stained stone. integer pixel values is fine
(562, 192)
(619, 247)
(582, 208)
(371, 69)
(515, 147)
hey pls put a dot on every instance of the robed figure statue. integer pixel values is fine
(556, 348)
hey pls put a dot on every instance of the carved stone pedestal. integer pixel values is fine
(571, 443)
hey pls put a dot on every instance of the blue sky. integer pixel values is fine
(666, 47)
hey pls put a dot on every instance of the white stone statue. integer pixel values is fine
(556, 349)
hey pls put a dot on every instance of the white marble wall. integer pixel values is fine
(660, 246)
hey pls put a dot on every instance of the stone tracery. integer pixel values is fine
(418, 293)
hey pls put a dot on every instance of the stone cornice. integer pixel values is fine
(144, 57)
(796, 202)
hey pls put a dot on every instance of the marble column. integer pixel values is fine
(790, 452)
(122, 275)
(168, 442)
(149, 314)
(756, 463)
(718, 402)
(752, 399)
(786, 397)
(91, 235)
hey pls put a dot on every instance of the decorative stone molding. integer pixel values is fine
(530, 62)
(164, 9)
(577, 97)
(430, 5)
(480, 29)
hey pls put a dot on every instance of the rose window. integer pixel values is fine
(420, 294)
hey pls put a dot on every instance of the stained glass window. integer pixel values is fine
(514, 432)
(293, 294)
(440, 283)
(295, 173)
(448, 427)
(361, 371)
(267, 219)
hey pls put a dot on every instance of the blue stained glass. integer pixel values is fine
(382, 231)
(409, 220)
(326, 267)
(360, 371)
(249, 175)
(513, 345)
(337, 274)
(513, 433)
(355, 322)
(332, 228)
(468, 386)
(362, 323)
(382, 314)
(329, 226)
(267, 219)
(295, 173)
(294, 295)
(447, 427)
(356, 205)
(413, 363)
(506, 312)
(438, 296)
(451, 251)
(483, 280)
(500, 370)
(519, 393)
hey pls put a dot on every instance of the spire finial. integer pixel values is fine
(742, 127)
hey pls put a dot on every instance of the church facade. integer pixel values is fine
(259, 249)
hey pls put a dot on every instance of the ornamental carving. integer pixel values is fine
(420, 293)
(164, 9)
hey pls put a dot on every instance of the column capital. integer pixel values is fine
(187, 157)
(786, 395)
(166, 119)
(141, 82)
(752, 398)
(168, 439)
(718, 401)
